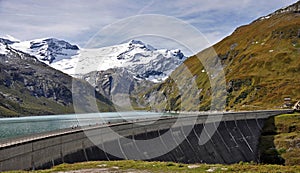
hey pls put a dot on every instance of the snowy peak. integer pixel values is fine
(47, 50)
(136, 49)
(11, 38)
(52, 44)
(133, 47)
(141, 60)
(4, 42)
(139, 44)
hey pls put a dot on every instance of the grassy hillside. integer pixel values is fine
(264, 65)
(261, 65)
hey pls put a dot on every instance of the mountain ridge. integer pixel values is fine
(29, 87)
(293, 8)
(115, 71)
(261, 65)
(140, 59)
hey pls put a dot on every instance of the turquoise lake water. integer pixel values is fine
(13, 127)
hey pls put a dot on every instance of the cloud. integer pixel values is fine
(79, 20)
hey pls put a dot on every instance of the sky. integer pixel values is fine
(78, 21)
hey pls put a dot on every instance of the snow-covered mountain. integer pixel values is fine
(29, 87)
(48, 50)
(3, 45)
(141, 60)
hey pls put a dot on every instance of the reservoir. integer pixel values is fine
(22, 126)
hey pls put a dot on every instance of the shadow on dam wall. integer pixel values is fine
(268, 153)
(236, 139)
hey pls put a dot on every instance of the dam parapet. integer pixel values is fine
(188, 138)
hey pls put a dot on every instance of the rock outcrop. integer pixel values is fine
(297, 106)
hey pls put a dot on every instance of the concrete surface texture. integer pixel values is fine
(236, 139)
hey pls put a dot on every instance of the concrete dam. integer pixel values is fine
(228, 137)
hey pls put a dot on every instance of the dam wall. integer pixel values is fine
(236, 139)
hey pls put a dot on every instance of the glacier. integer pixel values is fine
(141, 60)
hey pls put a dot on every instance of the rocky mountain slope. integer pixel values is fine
(30, 87)
(261, 66)
(115, 71)
(118, 85)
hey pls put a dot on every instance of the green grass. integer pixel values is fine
(166, 167)
(263, 67)
(30, 105)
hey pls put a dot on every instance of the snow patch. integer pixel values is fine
(3, 49)
(265, 17)
(291, 8)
